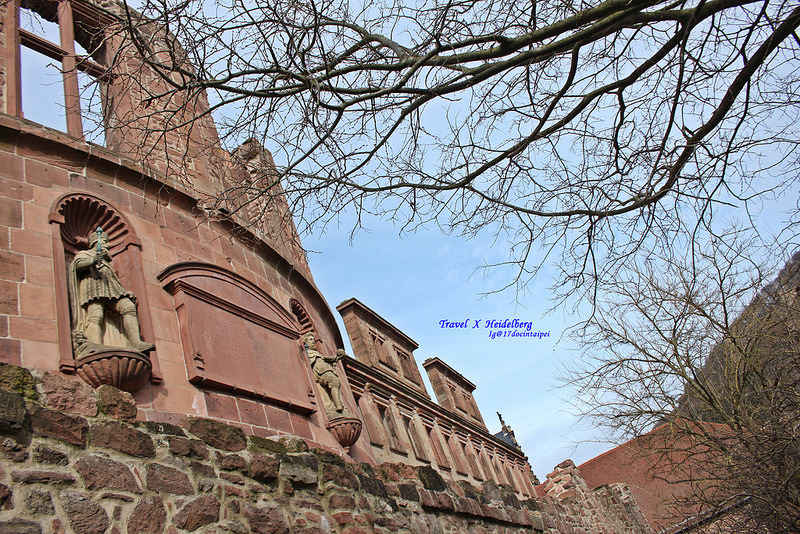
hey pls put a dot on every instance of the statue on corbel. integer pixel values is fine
(345, 427)
(106, 340)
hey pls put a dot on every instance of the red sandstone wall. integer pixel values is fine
(648, 474)
(36, 168)
(73, 459)
(569, 505)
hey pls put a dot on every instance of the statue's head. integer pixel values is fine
(309, 340)
(94, 237)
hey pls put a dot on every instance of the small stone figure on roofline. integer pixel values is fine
(506, 430)
(324, 368)
(103, 312)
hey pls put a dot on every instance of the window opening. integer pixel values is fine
(438, 451)
(457, 453)
(381, 351)
(42, 83)
(52, 62)
(409, 368)
(416, 440)
(302, 316)
(470, 453)
(391, 429)
(485, 464)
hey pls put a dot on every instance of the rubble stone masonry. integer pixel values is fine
(73, 459)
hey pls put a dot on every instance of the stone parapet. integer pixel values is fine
(85, 467)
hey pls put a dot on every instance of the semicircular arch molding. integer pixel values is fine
(78, 214)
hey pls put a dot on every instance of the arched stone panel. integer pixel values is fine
(237, 338)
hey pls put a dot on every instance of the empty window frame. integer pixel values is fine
(74, 18)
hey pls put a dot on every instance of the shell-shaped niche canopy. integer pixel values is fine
(82, 214)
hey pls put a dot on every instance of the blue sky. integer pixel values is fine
(417, 280)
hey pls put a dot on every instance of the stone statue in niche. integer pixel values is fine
(324, 368)
(103, 312)
(341, 423)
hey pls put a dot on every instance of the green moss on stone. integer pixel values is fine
(18, 380)
(431, 480)
(267, 445)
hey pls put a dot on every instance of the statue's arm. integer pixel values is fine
(83, 260)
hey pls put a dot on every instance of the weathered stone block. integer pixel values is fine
(157, 427)
(197, 513)
(233, 491)
(341, 501)
(20, 526)
(148, 517)
(343, 518)
(41, 477)
(168, 479)
(340, 475)
(57, 425)
(468, 490)
(14, 451)
(373, 486)
(267, 445)
(116, 403)
(294, 444)
(5, 497)
(180, 446)
(39, 502)
(188, 447)
(124, 438)
(430, 479)
(465, 505)
(203, 470)
(233, 478)
(13, 414)
(307, 504)
(230, 462)
(510, 499)
(263, 468)
(46, 455)
(326, 457)
(118, 496)
(394, 472)
(102, 473)
(216, 434)
(408, 492)
(392, 523)
(85, 515)
(61, 393)
(266, 519)
(530, 504)
(491, 491)
(298, 472)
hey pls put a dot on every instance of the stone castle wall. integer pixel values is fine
(38, 167)
(75, 460)
(569, 505)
